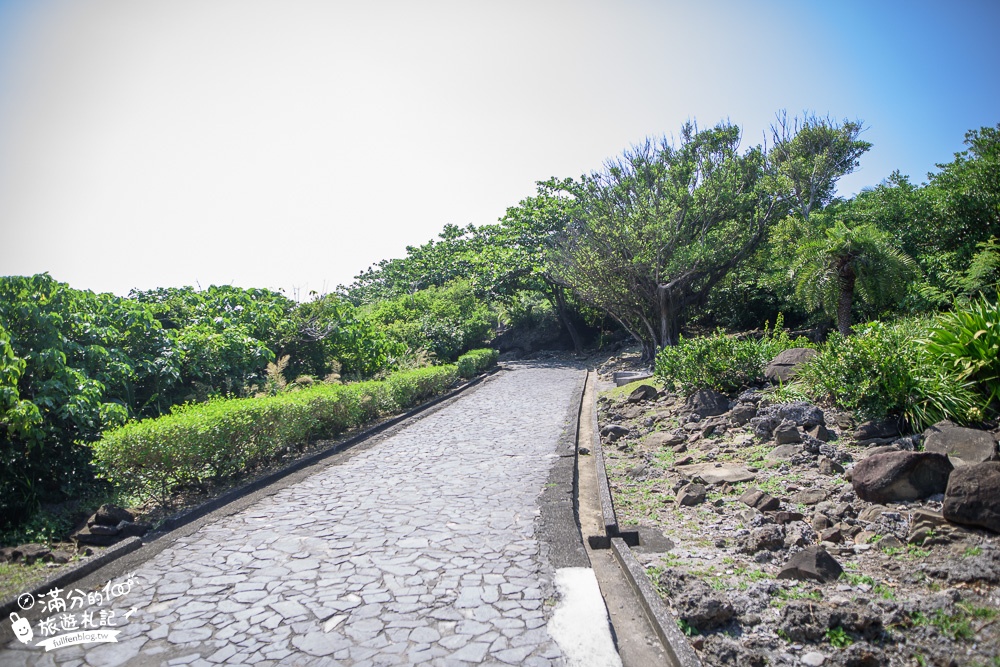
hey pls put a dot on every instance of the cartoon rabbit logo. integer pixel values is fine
(22, 628)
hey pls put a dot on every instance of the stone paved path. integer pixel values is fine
(420, 550)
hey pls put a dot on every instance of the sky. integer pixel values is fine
(290, 144)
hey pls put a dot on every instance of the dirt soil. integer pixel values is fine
(915, 590)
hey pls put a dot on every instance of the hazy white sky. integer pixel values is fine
(291, 143)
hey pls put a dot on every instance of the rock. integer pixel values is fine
(110, 515)
(694, 601)
(925, 525)
(636, 471)
(707, 403)
(809, 496)
(644, 392)
(813, 659)
(832, 534)
(872, 513)
(613, 432)
(783, 452)
(101, 529)
(972, 497)
(664, 439)
(811, 563)
(760, 501)
(692, 494)
(963, 446)
(85, 536)
(784, 517)
(29, 553)
(59, 556)
(895, 476)
(770, 537)
(821, 432)
(722, 650)
(820, 522)
(786, 433)
(743, 413)
(890, 542)
(715, 473)
(876, 429)
(782, 367)
(828, 466)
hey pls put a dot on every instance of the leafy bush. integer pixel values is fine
(966, 341)
(722, 362)
(885, 371)
(224, 437)
(474, 362)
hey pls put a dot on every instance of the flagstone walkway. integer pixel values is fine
(423, 549)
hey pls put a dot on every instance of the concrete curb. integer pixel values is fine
(559, 525)
(656, 611)
(654, 608)
(172, 524)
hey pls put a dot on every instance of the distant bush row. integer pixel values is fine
(220, 439)
(474, 362)
(919, 370)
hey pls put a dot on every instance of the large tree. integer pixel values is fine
(657, 228)
(811, 153)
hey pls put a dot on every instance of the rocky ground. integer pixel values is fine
(776, 559)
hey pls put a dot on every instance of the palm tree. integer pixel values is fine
(848, 261)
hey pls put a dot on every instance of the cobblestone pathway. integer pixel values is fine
(422, 549)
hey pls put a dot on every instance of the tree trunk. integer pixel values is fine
(560, 297)
(668, 317)
(844, 300)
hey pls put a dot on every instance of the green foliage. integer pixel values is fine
(884, 371)
(447, 321)
(966, 342)
(206, 442)
(474, 362)
(838, 637)
(721, 362)
(657, 228)
(847, 262)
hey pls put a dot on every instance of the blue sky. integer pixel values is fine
(291, 144)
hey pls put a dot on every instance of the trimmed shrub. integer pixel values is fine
(225, 437)
(722, 362)
(885, 371)
(474, 362)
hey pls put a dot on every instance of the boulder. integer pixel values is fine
(613, 432)
(29, 553)
(828, 466)
(707, 403)
(715, 473)
(876, 429)
(809, 496)
(821, 432)
(770, 537)
(895, 476)
(664, 439)
(786, 433)
(644, 392)
(782, 452)
(759, 500)
(973, 496)
(87, 537)
(963, 446)
(692, 494)
(782, 367)
(812, 563)
(743, 413)
(110, 515)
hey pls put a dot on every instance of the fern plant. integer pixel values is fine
(966, 341)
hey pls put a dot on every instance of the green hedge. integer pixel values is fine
(222, 438)
(474, 362)
(722, 362)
